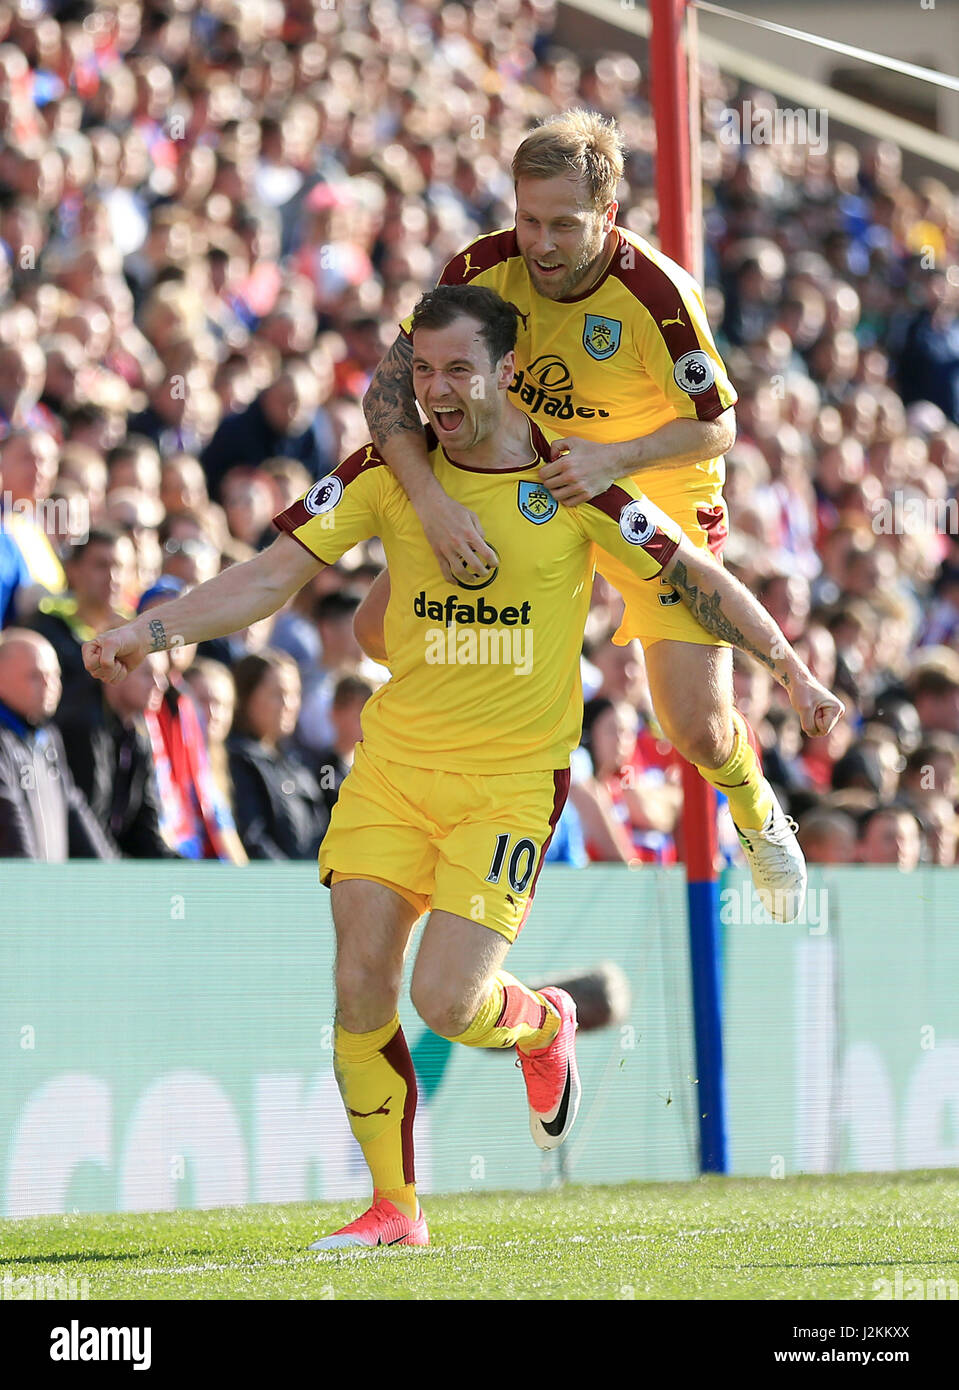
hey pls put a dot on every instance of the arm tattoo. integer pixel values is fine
(707, 609)
(390, 404)
(158, 640)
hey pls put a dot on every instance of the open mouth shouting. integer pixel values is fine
(448, 418)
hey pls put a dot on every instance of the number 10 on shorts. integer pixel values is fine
(519, 869)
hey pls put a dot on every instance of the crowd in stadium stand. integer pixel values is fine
(212, 218)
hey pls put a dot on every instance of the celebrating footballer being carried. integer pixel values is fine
(464, 765)
(614, 356)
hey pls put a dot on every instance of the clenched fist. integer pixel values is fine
(818, 709)
(113, 655)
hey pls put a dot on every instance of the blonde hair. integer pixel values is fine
(579, 144)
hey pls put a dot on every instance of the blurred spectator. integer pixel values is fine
(280, 810)
(341, 654)
(183, 484)
(781, 755)
(195, 819)
(295, 631)
(330, 765)
(940, 829)
(23, 370)
(94, 425)
(828, 837)
(901, 717)
(859, 767)
(365, 342)
(135, 463)
(752, 293)
(786, 598)
(935, 693)
(116, 771)
(187, 548)
(942, 618)
(43, 814)
(284, 419)
(329, 255)
(642, 807)
(136, 516)
(247, 496)
(622, 670)
(212, 688)
(94, 569)
(933, 766)
(88, 468)
(289, 478)
(170, 419)
(28, 468)
(928, 367)
(890, 835)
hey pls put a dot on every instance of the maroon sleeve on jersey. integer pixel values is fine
(298, 513)
(479, 256)
(648, 283)
(661, 547)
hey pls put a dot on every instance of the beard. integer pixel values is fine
(575, 274)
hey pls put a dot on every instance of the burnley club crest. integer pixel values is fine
(536, 502)
(601, 337)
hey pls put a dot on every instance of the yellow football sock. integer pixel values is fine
(378, 1086)
(741, 779)
(511, 1014)
(403, 1198)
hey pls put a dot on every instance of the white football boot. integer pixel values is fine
(777, 864)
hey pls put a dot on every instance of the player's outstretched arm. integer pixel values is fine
(453, 531)
(727, 609)
(239, 596)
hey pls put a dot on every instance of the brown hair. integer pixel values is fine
(579, 143)
(248, 674)
(497, 319)
(350, 688)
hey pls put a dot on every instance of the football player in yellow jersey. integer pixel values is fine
(615, 354)
(464, 763)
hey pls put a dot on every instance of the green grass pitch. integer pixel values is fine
(716, 1238)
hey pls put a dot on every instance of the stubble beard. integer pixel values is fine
(573, 278)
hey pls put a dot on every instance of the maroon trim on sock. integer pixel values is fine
(560, 793)
(397, 1054)
(519, 1008)
(753, 740)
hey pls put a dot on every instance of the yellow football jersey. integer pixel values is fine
(485, 678)
(616, 363)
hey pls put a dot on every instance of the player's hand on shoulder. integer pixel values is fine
(112, 655)
(456, 537)
(580, 469)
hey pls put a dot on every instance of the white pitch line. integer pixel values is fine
(211, 1268)
(309, 1257)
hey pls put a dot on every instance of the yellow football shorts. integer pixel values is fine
(654, 610)
(470, 845)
